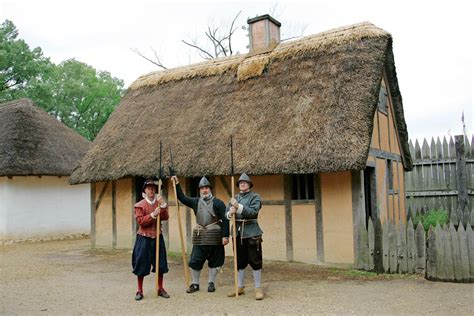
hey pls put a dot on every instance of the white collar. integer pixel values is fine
(150, 202)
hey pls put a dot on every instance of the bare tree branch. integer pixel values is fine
(209, 56)
(216, 42)
(231, 31)
(158, 59)
(157, 62)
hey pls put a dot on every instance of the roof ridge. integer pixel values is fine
(283, 50)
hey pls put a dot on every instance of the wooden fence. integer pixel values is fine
(442, 177)
(444, 253)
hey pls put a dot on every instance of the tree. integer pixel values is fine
(75, 93)
(18, 63)
(78, 95)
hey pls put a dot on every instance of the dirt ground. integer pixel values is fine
(66, 277)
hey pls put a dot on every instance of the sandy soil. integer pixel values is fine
(66, 277)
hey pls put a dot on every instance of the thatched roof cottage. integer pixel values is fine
(37, 155)
(318, 122)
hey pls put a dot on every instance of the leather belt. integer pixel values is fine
(243, 221)
(201, 227)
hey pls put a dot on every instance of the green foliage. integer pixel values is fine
(18, 63)
(78, 95)
(431, 218)
(75, 93)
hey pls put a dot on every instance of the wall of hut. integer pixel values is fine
(385, 157)
(42, 207)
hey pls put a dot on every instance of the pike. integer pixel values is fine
(183, 250)
(234, 229)
(158, 226)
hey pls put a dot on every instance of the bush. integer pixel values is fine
(431, 218)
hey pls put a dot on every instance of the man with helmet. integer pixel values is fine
(245, 206)
(210, 234)
(144, 251)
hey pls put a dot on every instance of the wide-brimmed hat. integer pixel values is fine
(150, 182)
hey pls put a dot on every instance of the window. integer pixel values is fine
(302, 187)
(390, 175)
(382, 105)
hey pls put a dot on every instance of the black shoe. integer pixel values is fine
(211, 287)
(138, 296)
(163, 293)
(193, 288)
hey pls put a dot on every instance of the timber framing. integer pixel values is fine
(358, 212)
(288, 217)
(377, 153)
(93, 214)
(319, 219)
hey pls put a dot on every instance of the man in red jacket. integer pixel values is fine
(144, 251)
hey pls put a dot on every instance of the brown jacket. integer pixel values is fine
(143, 211)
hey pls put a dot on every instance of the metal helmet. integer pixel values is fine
(204, 183)
(149, 182)
(246, 178)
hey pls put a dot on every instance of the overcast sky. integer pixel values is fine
(433, 41)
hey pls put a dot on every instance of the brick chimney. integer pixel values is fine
(264, 33)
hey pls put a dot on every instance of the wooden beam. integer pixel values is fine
(114, 215)
(358, 213)
(384, 154)
(436, 193)
(93, 213)
(101, 195)
(288, 217)
(318, 208)
(226, 186)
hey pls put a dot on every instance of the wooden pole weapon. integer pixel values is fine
(234, 229)
(158, 227)
(183, 250)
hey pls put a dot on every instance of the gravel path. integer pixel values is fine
(66, 277)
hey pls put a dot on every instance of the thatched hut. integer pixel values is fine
(318, 122)
(37, 156)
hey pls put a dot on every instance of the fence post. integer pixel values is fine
(371, 237)
(411, 247)
(420, 241)
(463, 247)
(378, 245)
(440, 262)
(402, 248)
(385, 248)
(457, 266)
(431, 255)
(470, 246)
(461, 177)
(393, 253)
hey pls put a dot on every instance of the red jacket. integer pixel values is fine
(143, 211)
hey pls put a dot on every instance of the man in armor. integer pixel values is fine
(210, 234)
(245, 206)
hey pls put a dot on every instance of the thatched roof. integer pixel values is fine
(306, 106)
(34, 143)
